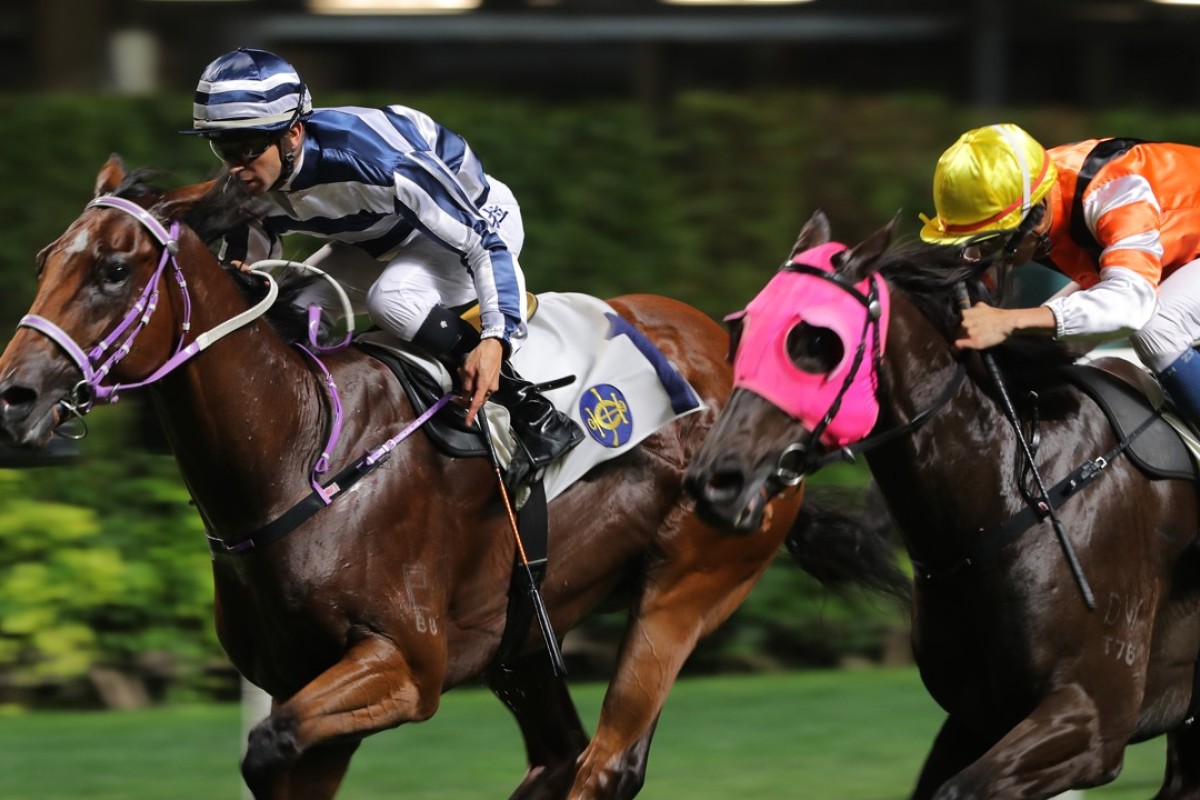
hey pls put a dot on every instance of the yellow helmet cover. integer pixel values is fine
(986, 182)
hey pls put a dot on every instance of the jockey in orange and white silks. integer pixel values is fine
(1119, 217)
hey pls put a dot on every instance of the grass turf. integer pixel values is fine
(848, 735)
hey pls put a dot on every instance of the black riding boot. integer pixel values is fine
(543, 432)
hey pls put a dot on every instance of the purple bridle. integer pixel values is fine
(96, 367)
(98, 362)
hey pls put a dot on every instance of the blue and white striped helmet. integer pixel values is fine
(248, 90)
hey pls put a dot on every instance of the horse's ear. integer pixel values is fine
(111, 175)
(860, 261)
(814, 233)
(177, 202)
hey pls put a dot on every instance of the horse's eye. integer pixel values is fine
(813, 349)
(114, 272)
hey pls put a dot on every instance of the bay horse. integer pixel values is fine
(362, 616)
(1041, 692)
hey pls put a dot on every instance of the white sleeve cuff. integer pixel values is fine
(1120, 304)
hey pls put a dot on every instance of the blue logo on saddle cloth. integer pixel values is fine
(606, 415)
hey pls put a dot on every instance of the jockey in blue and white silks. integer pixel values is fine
(384, 179)
(416, 227)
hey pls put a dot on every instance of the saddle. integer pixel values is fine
(1129, 396)
(446, 429)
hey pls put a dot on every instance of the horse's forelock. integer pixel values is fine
(224, 207)
(139, 184)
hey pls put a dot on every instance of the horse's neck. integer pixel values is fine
(957, 446)
(244, 417)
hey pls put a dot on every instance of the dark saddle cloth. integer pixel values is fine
(1128, 395)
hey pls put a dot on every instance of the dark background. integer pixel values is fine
(1087, 53)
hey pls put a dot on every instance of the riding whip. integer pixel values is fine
(964, 301)
(539, 608)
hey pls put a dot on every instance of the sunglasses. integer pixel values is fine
(986, 247)
(242, 150)
(989, 247)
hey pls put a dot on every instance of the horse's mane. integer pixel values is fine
(929, 274)
(221, 209)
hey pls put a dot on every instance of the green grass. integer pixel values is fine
(850, 735)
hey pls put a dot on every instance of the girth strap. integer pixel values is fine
(324, 494)
(295, 516)
(999, 538)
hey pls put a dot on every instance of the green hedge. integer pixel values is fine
(699, 201)
(104, 562)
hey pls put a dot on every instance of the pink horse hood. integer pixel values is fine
(762, 364)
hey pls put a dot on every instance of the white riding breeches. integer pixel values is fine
(1175, 326)
(399, 289)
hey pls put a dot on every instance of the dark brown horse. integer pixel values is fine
(359, 619)
(1042, 694)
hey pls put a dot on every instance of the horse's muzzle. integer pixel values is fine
(725, 497)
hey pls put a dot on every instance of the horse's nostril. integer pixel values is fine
(723, 486)
(16, 396)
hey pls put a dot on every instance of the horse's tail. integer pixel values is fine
(841, 549)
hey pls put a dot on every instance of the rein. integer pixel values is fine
(851, 452)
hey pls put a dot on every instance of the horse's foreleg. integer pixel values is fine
(687, 594)
(1059, 746)
(316, 774)
(554, 736)
(301, 750)
(955, 747)
(1183, 766)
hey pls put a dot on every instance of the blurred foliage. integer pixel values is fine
(699, 200)
(104, 562)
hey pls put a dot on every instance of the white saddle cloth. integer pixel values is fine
(624, 388)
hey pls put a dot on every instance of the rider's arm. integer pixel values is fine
(1118, 305)
(1124, 215)
(246, 244)
(433, 200)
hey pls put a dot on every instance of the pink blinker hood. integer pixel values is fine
(762, 365)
